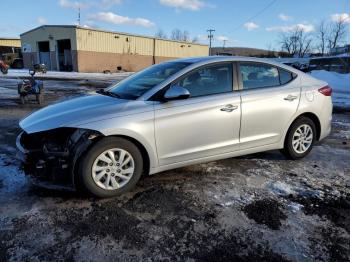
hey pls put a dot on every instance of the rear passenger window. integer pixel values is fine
(285, 76)
(258, 75)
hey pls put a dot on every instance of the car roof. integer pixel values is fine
(221, 58)
(212, 59)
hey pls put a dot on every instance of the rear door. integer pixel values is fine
(270, 98)
(203, 125)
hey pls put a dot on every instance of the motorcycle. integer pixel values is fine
(31, 86)
(40, 68)
(3, 67)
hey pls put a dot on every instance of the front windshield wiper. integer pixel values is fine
(108, 93)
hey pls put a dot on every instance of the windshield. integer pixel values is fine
(136, 85)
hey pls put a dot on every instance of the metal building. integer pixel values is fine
(75, 48)
(9, 45)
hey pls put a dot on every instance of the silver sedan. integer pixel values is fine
(175, 114)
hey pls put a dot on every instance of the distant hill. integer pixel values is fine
(246, 51)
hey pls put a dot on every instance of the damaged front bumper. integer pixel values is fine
(52, 156)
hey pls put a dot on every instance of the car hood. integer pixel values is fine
(79, 111)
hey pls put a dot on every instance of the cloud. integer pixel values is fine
(221, 38)
(284, 17)
(250, 26)
(110, 3)
(341, 17)
(109, 17)
(304, 27)
(41, 20)
(193, 5)
(73, 4)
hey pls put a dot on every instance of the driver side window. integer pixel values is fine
(208, 80)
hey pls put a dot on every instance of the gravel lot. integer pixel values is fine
(256, 207)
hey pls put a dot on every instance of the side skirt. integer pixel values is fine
(215, 157)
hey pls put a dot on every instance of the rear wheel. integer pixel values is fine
(300, 138)
(110, 168)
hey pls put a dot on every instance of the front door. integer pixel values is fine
(270, 98)
(203, 125)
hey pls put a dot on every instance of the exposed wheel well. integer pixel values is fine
(314, 119)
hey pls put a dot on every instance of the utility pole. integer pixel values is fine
(79, 14)
(224, 43)
(210, 36)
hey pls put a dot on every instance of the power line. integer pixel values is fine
(256, 15)
(210, 36)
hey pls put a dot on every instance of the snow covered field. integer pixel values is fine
(20, 73)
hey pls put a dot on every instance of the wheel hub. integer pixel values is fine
(302, 138)
(113, 169)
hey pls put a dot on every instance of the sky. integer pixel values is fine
(245, 23)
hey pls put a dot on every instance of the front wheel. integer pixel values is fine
(300, 138)
(110, 168)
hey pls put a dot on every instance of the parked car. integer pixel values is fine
(175, 114)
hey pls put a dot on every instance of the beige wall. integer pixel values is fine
(166, 48)
(106, 42)
(10, 42)
(109, 42)
(98, 61)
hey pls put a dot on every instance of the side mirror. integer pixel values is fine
(176, 93)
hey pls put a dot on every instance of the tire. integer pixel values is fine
(297, 152)
(86, 177)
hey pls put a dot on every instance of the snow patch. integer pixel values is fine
(340, 84)
(280, 188)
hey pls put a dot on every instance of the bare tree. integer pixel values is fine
(296, 42)
(186, 36)
(161, 34)
(179, 35)
(337, 33)
(176, 34)
(322, 35)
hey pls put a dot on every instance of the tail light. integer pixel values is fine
(326, 91)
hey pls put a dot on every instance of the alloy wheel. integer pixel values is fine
(113, 169)
(302, 138)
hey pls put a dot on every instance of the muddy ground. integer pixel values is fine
(256, 207)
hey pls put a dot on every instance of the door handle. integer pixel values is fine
(290, 98)
(229, 108)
